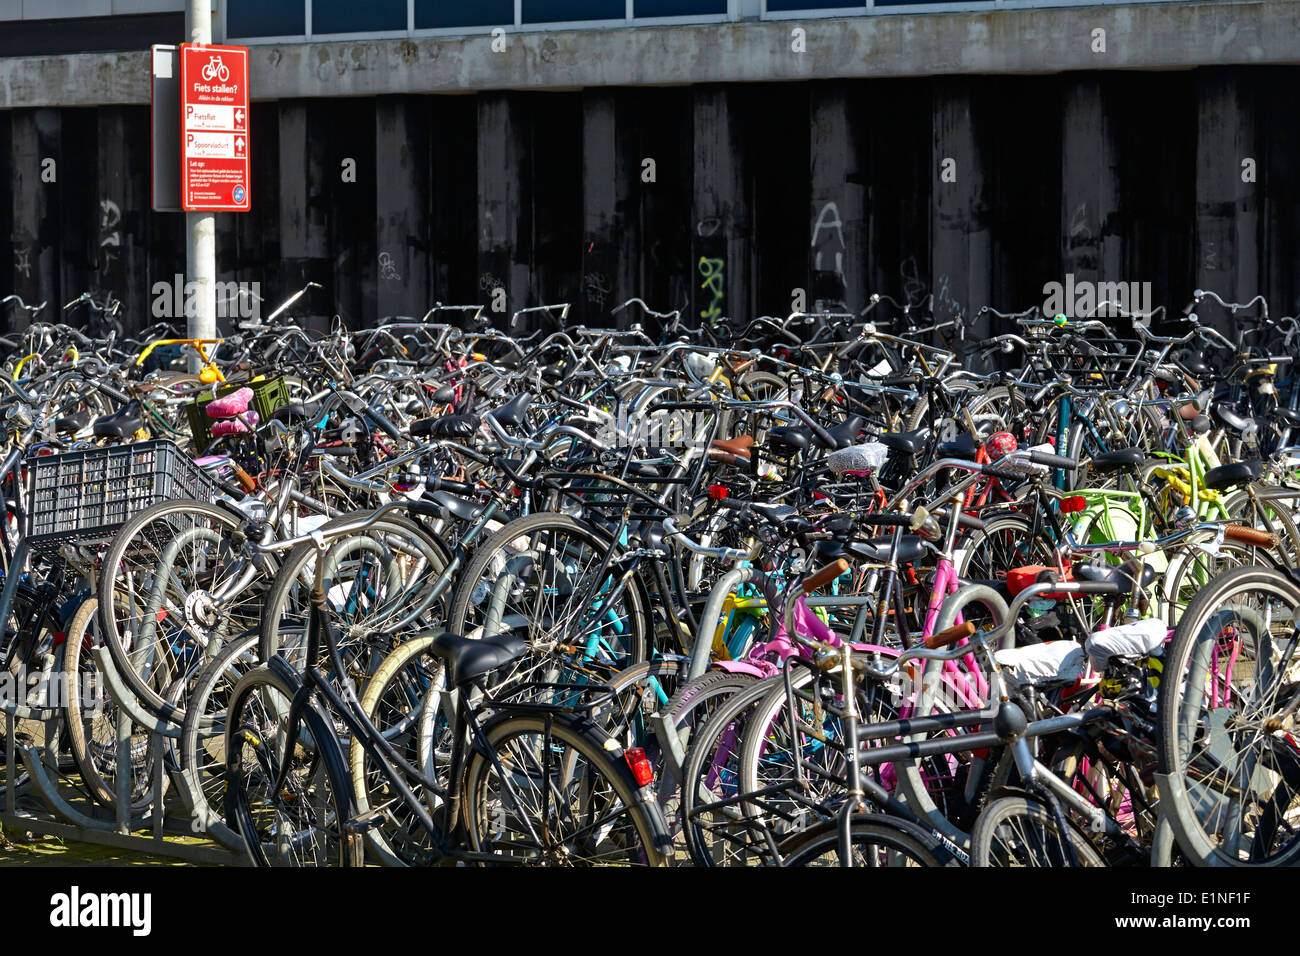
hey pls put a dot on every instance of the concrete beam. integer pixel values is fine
(838, 241)
(720, 241)
(1092, 242)
(504, 204)
(961, 256)
(1227, 207)
(1140, 36)
(402, 206)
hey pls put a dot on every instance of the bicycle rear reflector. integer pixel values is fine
(639, 764)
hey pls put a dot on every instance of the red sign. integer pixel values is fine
(214, 128)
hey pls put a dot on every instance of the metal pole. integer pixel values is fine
(201, 227)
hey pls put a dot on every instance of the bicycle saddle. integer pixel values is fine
(963, 446)
(787, 440)
(468, 659)
(1233, 473)
(1122, 574)
(228, 406)
(71, 424)
(905, 443)
(463, 508)
(1120, 460)
(738, 446)
(445, 426)
(296, 412)
(877, 549)
(511, 414)
(847, 431)
(1229, 417)
(123, 423)
(234, 426)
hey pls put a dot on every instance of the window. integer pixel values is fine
(347, 16)
(678, 8)
(781, 6)
(265, 18)
(435, 14)
(558, 11)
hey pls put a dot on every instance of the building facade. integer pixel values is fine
(740, 157)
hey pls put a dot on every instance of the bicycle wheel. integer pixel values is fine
(303, 823)
(876, 841)
(379, 588)
(716, 828)
(561, 797)
(1227, 699)
(939, 789)
(537, 572)
(92, 719)
(203, 734)
(1017, 831)
(408, 681)
(159, 594)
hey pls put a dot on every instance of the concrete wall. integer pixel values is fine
(1141, 36)
(833, 187)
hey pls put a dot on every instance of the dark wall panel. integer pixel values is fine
(713, 199)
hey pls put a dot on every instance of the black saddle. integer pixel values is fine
(463, 508)
(787, 440)
(877, 549)
(846, 432)
(71, 424)
(1229, 417)
(467, 659)
(123, 423)
(445, 426)
(1121, 574)
(905, 443)
(511, 414)
(1121, 460)
(296, 412)
(963, 447)
(1234, 473)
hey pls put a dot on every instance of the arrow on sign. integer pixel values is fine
(239, 117)
(239, 145)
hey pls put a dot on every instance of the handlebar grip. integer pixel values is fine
(969, 521)
(1006, 474)
(1251, 536)
(1091, 587)
(825, 576)
(341, 451)
(448, 484)
(733, 504)
(246, 481)
(958, 632)
(886, 520)
(1052, 461)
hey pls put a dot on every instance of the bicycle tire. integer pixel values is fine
(319, 801)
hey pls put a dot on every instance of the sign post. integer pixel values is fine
(214, 129)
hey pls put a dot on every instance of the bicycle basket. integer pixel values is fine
(83, 497)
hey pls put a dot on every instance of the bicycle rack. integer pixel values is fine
(121, 830)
